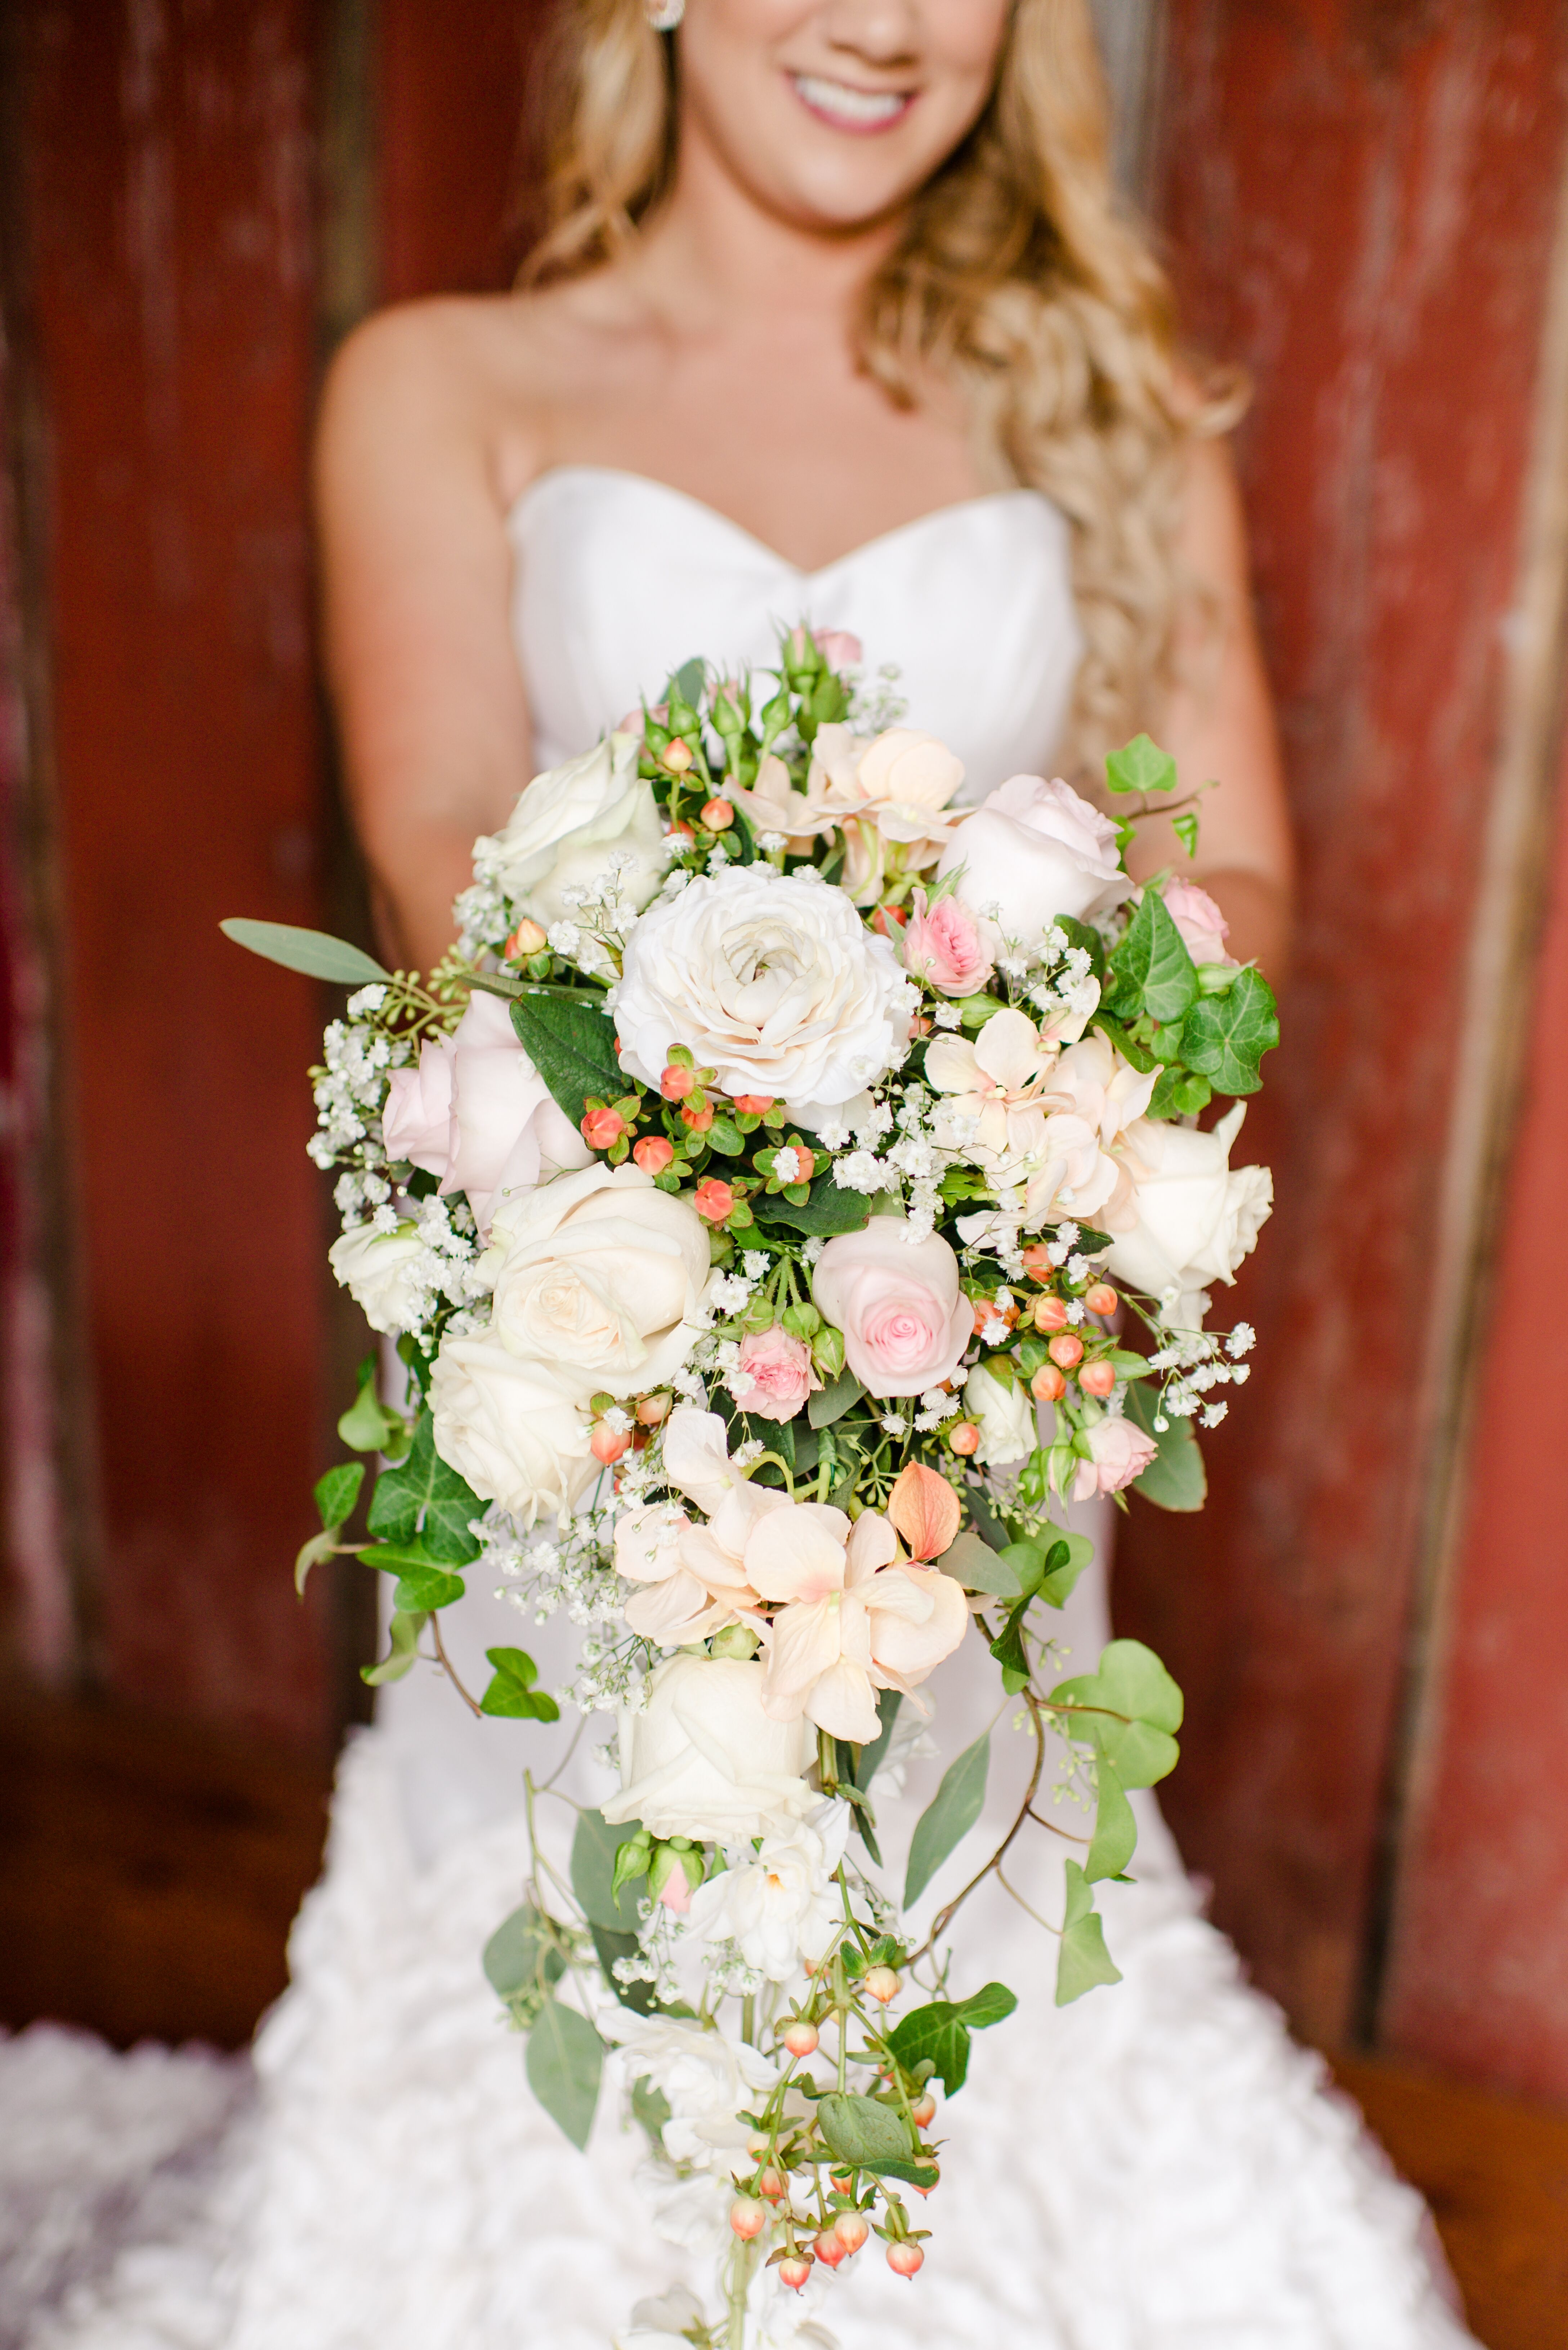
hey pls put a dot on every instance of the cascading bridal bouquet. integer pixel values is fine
(764, 1190)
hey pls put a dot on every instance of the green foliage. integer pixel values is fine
(608, 1947)
(979, 1567)
(1126, 1044)
(594, 1848)
(315, 1553)
(831, 1403)
(864, 2132)
(1177, 1093)
(315, 952)
(337, 1493)
(1083, 936)
(572, 1045)
(522, 1959)
(423, 1584)
(1116, 1830)
(828, 1209)
(403, 1632)
(948, 1817)
(1151, 971)
(427, 1497)
(367, 1426)
(1176, 1478)
(1185, 828)
(512, 1692)
(1134, 1708)
(651, 2111)
(1140, 765)
(1061, 1572)
(940, 2033)
(1009, 1651)
(1084, 1961)
(1226, 1035)
(870, 1757)
(566, 2059)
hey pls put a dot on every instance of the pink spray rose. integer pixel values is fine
(1120, 1452)
(780, 1366)
(838, 648)
(905, 1321)
(416, 1119)
(943, 947)
(1203, 927)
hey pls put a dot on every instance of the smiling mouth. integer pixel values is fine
(847, 108)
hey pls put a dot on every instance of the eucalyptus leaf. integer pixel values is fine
(315, 952)
(1176, 1478)
(949, 1817)
(1083, 1961)
(572, 1045)
(831, 1403)
(1132, 1710)
(566, 2059)
(861, 2132)
(512, 1693)
(403, 1633)
(1226, 1037)
(979, 1567)
(337, 1493)
(1116, 1830)
(1140, 765)
(425, 1496)
(594, 1848)
(521, 1957)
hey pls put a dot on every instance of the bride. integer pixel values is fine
(837, 320)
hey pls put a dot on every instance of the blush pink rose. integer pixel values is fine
(1120, 1452)
(906, 1324)
(780, 1366)
(1203, 927)
(838, 648)
(416, 1118)
(943, 947)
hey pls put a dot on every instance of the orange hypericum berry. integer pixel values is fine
(794, 2268)
(713, 1199)
(608, 1444)
(1050, 1314)
(829, 2248)
(748, 2217)
(678, 756)
(1100, 1298)
(754, 1105)
(601, 1127)
(527, 938)
(1098, 1378)
(923, 2112)
(1066, 1348)
(882, 1983)
(653, 1153)
(904, 2258)
(799, 2037)
(771, 2184)
(718, 814)
(698, 1120)
(1048, 1385)
(654, 1409)
(851, 2229)
(964, 1438)
(676, 1082)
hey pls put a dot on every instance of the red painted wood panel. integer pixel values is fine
(1362, 200)
(453, 178)
(1477, 1982)
(169, 183)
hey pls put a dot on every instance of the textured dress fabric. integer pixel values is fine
(1154, 2167)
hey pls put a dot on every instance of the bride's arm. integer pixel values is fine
(1220, 723)
(416, 575)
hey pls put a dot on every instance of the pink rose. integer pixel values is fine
(1120, 1452)
(944, 947)
(416, 1118)
(838, 648)
(1203, 927)
(906, 1324)
(781, 1367)
(1031, 851)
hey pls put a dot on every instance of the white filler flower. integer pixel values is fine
(774, 982)
(779, 1905)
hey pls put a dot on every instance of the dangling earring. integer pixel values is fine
(664, 15)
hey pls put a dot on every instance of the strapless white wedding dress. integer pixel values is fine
(1155, 2168)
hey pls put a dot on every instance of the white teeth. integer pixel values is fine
(850, 105)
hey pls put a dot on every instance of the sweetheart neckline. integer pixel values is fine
(648, 482)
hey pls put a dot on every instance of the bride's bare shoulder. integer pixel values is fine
(476, 381)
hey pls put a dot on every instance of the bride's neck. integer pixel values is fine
(715, 256)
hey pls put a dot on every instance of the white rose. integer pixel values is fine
(1034, 851)
(376, 1269)
(774, 981)
(599, 1281)
(702, 1760)
(1003, 1411)
(506, 1427)
(779, 1905)
(708, 2081)
(1197, 1216)
(569, 824)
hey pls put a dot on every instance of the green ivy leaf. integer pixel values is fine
(1061, 1572)
(1176, 1478)
(315, 1553)
(1140, 765)
(992, 2003)
(1084, 1961)
(1185, 828)
(422, 1584)
(566, 2058)
(594, 1848)
(862, 2132)
(572, 1045)
(948, 1817)
(1177, 1093)
(315, 952)
(831, 1403)
(937, 2034)
(403, 1632)
(1116, 1830)
(1136, 1709)
(1126, 1045)
(426, 1496)
(829, 1209)
(512, 1693)
(1151, 970)
(1008, 1648)
(520, 1958)
(337, 1493)
(1226, 1037)
(367, 1426)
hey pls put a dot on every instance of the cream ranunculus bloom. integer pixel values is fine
(1033, 850)
(857, 1618)
(507, 1428)
(703, 1760)
(1003, 1411)
(569, 824)
(771, 980)
(1197, 1216)
(599, 1281)
(379, 1271)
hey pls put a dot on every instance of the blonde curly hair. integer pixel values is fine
(1017, 276)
